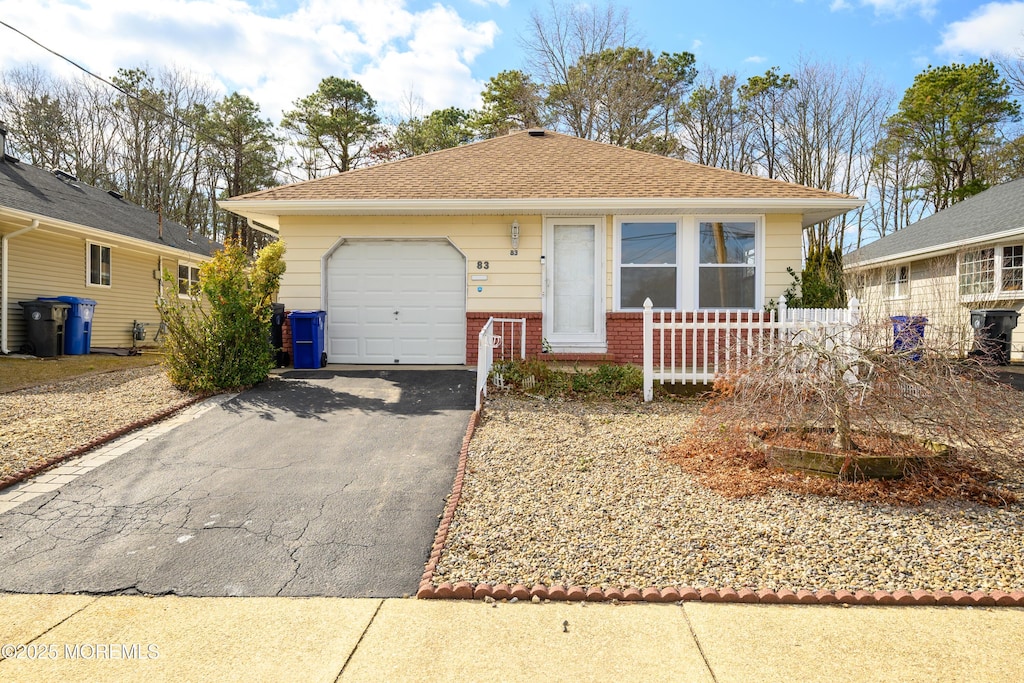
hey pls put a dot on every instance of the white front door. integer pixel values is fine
(574, 301)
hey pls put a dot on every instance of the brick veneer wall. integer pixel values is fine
(625, 332)
(476, 320)
(626, 339)
(286, 333)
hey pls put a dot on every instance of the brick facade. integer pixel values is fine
(475, 322)
(625, 333)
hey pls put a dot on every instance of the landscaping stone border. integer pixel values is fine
(464, 590)
(28, 472)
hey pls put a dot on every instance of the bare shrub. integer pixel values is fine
(846, 381)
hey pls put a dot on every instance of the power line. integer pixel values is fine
(199, 134)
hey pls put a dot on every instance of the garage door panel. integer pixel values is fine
(343, 346)
(376, 315)
(378, 349)
(424, 281)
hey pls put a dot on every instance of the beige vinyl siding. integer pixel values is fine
(44, 263)
(934, 293)
(783, 238)
(513, 282)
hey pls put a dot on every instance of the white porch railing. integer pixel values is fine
(696, 346)
(511, 333)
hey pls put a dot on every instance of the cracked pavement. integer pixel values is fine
(315, 483)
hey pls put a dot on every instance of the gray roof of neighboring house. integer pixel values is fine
(26, 188)
(996, 210)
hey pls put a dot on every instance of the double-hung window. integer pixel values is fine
(897, 281)
(648, 268)
(728, 264)
(98, 264)
(188, 279)
(1013, 268)
(991, 272)
(682, 263)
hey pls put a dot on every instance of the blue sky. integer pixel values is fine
(436, 54)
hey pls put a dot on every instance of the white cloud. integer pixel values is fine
(897, 8)
(755, 59)
(997, 27)
(696, 45)
(387, 47)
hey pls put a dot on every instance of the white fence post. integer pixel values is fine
(783, 327)
(484, 359)
(648, 350)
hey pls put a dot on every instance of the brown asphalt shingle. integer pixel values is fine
(552, 166)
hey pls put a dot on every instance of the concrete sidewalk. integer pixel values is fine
(86, 638)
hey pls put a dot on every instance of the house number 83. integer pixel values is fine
(483, 265)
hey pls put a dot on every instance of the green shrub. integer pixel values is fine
(219, 338)
(538, 378)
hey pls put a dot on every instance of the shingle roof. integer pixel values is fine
(26, 188)
(549, 166)
(996, 210)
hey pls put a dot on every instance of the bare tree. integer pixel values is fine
(36, 116)
(715, 131)
(556, 44)
(763, 98)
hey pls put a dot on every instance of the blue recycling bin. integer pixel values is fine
(78, 326)
(308, 339)
(908, 334)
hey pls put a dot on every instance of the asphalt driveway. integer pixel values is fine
(316, 483)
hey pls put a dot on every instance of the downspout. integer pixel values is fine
(3, 282)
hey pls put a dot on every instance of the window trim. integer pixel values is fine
(88, 264)
(893, 290)
(191, 265)
(617, 258)
(688, 257)
(759, 257)
(997, 292)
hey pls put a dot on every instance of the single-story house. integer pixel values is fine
(62, 237)
(409, 259)
(968, 256)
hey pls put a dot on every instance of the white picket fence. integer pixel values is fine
(697, 346)
(510, 334)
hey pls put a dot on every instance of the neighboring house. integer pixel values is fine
(410, 258)
(969, 256)
(61, 237)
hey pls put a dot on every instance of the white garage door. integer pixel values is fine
(392, 301)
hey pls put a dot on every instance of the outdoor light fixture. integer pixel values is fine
(515, 235)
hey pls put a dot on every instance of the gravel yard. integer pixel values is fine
(576, 494)
(48, 420)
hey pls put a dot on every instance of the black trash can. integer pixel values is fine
(277, 336)
(77, 325)
(44, 327)
(993, 333)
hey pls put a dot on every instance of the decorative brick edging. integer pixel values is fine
(24, 474)
(464, 590)
(426, 589)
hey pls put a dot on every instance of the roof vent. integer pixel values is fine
(115, 194)
(536, 132)
(63, 175)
